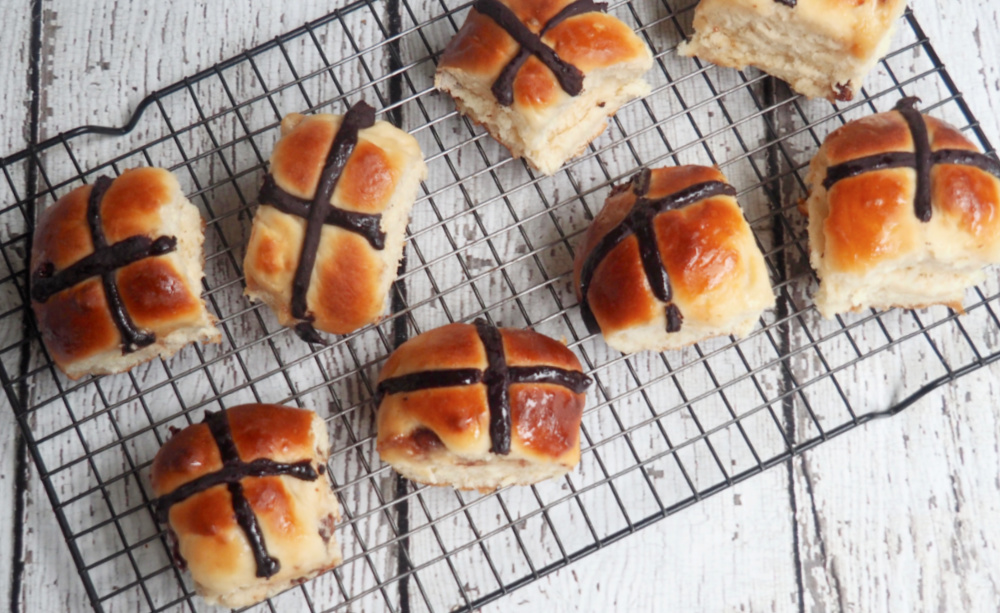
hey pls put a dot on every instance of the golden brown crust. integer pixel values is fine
(868, 136)
(190, 453)
(155, 295)
(345, 294)
(626, 299)
(282, 434)
(451, 424)
(62, 235)
(76, 324)
(546, 419)
(529, 348)
(133, 203)
(871, 220)
(696, 249)
(298, 157)
(449, 347)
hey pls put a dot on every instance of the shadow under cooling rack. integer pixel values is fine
(488, 237)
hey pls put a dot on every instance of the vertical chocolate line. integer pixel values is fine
(503, 87)
(922, 152)
(359, 117)
(497, 393)
(218, 424)
(132, 337)
(652, 260)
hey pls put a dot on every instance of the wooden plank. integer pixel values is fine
(15, 108)
(113, 81)
(737, 550)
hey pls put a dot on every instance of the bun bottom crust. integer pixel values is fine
(566, 137)
(812, 64)
(484, 476)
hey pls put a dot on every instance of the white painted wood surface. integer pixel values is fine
(899, 515)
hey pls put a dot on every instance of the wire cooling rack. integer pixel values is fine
(487, 237)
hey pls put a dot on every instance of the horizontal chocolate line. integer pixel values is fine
(368, 226)
(967, 158)
(45, 283)
(573, 380)
(232, 473)
(905, 159)
(429, 379)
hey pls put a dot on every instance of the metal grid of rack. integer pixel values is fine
(488, 237)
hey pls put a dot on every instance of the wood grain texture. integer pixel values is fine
(895, 516)
(15, 98)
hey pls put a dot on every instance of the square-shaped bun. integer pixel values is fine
(332, 273)
(903, 211)
(248, 500)
(821, 48)
(670, 261)
(514, 93)
(116, 270)
(480, 407)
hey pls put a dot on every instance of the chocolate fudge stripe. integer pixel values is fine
(881, 161)
(497, 377)
(366, 225)
(104, 263)
(967, 158)
(902, 159)
(218, 424)
(790, 3)
(570, 77)
(232, 472)
(573, 380)
(132, 337)
(639, 222)
(922, 152)
(922, 160)
(261, 467)
(497, 392)
(503, 87)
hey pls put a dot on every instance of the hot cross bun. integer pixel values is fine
(822, 48)
(248, 501)
(480, 407)
(116, 270)
(328, 235)
(903, 211)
